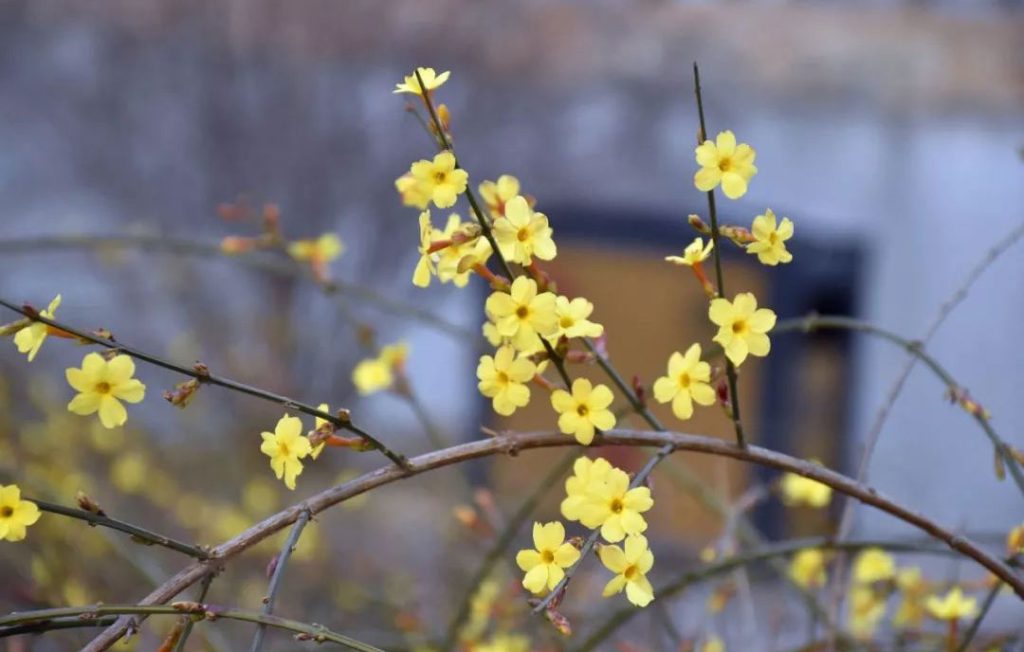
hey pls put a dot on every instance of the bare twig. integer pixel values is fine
(511, 444)
(972, 631)
(140, 534)
(275, 580)
(206, 377)
(204, 588)
(276, 265)
(306, 631)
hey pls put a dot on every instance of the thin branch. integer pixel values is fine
(311, 632)
(206, 377)
(204, 588)
(730, 369)
(140, 534)
(256, 260)
(824, 322)
(278, 575)
(972, 631)
(513, 444)
(766, 553)
(502, 543)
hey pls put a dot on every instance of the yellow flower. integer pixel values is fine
(504, 643)
(439, 179)
(572, 318)
(523, 314)
(544, 565)
(713, 644)
(503, 379)
(285, 447)
(914, 588)
(585, 473)
(15, 514)
(451, 256)
(317, 424)
(798, 490)
(770, 239)
(101, 385)
(322, 250)
(742, 326)
(492, 335)
(615, 508)
(953, 606)
(377, 374)
(583, 411)
(866, 609)
(808, 568)
(523, 233)
(412, 192)
(630, 567)
(686, 383)
(725, 162)
(497, 194)
(30, 338)
(873, 565)
(425, 268)
(430, 77)
(1015, 541)
(695, 252)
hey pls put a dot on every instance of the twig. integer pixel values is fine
(206, 377)
(765, 553)
(278, 575)
(256, 260)
(311, 632)
(824, 322)
(142, 535)
(730, 369)
(204, 588)
(972, 631)
(511, 444)
(502, 543)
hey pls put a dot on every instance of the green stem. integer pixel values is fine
(730, 369)
(204, 588)
(972, 631)
(278, 576)
(312, 632)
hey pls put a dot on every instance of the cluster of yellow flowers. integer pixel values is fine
(598, 496)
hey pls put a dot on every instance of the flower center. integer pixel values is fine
(582, 410)
(617, 506)
(547, 557)
(502, 378)
(103, 388)
(282, 448)
(6, 511)
(684, 381)
(739, 327)
(630, 572)
(773, 238)
(523, 235)
(522, 312)
(566, 322)
(725, 164)
(439, 177)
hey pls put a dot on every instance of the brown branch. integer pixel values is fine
(513, 444)
(203, 376)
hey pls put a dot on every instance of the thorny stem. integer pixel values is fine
(512, 444)
(212, 379)
(730, 369)
(85, 615)
(278, 575)
(140, 534)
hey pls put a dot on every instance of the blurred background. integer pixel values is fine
(890, 132)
